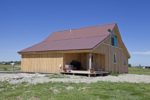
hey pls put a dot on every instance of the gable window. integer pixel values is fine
(114, 41)
(114, 58)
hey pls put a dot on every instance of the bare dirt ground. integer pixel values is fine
(42, 78)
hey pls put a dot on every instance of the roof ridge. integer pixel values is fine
(100, 25)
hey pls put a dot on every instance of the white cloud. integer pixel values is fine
(141, 53)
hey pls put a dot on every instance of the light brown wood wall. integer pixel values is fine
(46, 63)
(98, 61)
(108, 50)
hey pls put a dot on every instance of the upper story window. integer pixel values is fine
(114, 40)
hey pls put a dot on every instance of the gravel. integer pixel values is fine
(43, 78)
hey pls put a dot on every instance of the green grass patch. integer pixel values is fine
(73, 91)
(9, 67)
(114, 74)
(140, 71)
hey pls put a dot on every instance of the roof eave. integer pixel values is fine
(59, 51)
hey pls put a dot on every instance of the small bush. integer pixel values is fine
(5, 69)
(114, 74)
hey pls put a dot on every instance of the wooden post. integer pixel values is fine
(90, 61)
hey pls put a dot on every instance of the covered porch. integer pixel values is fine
(84, 63)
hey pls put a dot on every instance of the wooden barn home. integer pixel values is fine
(89, 50)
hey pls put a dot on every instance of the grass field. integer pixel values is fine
(9, 67)
(72, 91)
(138, 71)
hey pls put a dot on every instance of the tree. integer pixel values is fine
(129, 65)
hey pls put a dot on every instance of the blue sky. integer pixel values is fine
(26, 22)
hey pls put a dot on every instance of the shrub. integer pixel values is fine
(5, 68)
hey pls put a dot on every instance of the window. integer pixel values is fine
(125, 62)
(114, 58)
(114, 41)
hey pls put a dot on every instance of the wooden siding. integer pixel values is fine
(109, 52)
(46, 63)
(98, 62)
(105, 48)
(121, 44)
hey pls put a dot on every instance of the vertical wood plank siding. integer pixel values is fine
(46, 63)
(121, 66)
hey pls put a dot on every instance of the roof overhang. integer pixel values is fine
(57, 51)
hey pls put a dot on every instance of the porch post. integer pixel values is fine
(90, 61)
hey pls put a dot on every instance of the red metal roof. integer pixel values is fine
(75, 39)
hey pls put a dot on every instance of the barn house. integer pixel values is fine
(89, 50)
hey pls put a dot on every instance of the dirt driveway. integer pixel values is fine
(42, 78)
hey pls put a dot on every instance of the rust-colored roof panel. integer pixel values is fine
(76, 39)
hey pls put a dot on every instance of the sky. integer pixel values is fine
(27, 22)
